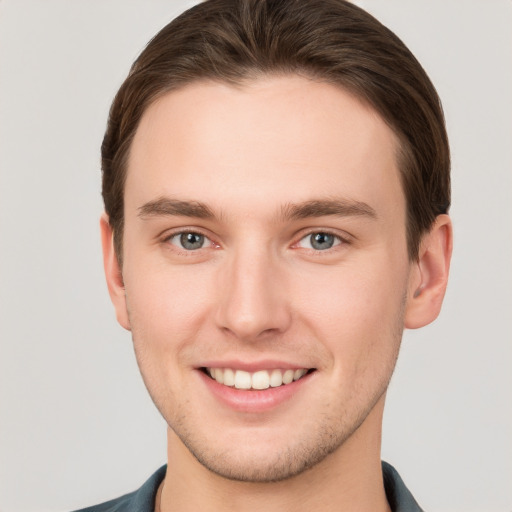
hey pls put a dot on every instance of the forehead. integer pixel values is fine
(272, 139)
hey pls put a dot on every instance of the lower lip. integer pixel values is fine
(255, 401)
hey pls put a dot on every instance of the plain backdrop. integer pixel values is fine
(76, 424)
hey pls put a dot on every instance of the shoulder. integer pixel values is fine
(120, 504)
(399, 497)
(141, 500)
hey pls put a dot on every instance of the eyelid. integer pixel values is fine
(343, 239)
(167, 236)
(207, 242)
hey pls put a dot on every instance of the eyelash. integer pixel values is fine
(339, 241)
(167, 239)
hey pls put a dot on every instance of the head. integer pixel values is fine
(236, 41)
(275, 176)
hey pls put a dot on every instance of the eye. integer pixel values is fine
(319, 241)
(190, 241)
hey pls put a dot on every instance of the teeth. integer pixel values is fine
(299, 373)
(242, 380)
(276, 378)
(262, 379)
(229, 377)
(288, 376)
(219, 375)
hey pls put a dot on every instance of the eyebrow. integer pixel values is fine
(339, 207)
(165, 206)
(323, 207)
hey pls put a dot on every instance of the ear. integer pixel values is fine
(113, 273)
(429, 275)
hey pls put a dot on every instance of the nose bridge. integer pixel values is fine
(252, 296)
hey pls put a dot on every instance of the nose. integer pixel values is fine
(253, 300)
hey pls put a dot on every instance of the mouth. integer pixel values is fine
(258, 380)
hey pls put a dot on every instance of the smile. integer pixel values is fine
(259, 380)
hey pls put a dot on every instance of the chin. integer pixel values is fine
(266, 460)
(272, 469)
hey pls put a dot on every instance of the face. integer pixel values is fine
(265, 270)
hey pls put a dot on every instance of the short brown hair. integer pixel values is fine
(329, 40)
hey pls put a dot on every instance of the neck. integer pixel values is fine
(348, 479)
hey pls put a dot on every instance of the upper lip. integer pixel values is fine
(253, 366)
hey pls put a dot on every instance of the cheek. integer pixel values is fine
(167, 308)
(357, 314)
(167, 312)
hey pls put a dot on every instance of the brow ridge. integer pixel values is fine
(323, 207)
(164, 206)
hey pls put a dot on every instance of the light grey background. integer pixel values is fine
(76, 426)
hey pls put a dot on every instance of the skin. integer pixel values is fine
(257, 291)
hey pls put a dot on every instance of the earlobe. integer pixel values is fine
(113, 273)
(429, 276)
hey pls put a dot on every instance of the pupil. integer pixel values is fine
(321, 241)
(191, 240)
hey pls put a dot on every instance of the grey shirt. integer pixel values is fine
(143, 500)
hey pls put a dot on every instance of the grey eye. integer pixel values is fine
(189, 241)
(319, 241)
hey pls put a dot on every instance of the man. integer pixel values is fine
(276, 187)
